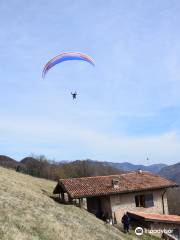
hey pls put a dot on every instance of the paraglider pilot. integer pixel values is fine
(74, 95)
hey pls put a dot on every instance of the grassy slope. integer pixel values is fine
(27, 213)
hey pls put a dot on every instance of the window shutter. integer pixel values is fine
(149, 200)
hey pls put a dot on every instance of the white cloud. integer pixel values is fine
(53, 139)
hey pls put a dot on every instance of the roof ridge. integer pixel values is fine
(113, 175)
(91, 177)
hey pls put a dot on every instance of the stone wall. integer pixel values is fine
(173, 197)
(121, 203)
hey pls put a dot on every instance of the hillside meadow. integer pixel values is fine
(28, 213)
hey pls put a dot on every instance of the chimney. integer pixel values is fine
(139, 171)
(115, 183)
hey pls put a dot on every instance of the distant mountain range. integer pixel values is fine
(126, 166)
(171, 172)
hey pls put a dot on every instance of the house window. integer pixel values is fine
(145, 200)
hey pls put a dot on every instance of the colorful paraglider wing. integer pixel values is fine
(66, 57)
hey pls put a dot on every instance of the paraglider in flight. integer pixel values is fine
(74, 95)
(66, 56)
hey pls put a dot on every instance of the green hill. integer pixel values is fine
(28, 213)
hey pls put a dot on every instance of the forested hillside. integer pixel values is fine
(40, 167)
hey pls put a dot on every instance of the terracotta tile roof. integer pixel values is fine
(102, 185)
(154, 217)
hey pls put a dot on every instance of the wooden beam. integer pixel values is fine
(80, 202)
(62, 197)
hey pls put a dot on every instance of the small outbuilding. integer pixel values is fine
(157, 224)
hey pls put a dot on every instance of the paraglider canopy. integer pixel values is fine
(66, 56)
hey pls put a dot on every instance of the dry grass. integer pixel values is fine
(27, 213)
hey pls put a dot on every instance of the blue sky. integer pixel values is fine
(128, 106)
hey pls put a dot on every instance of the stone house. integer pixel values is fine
(111, 196)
